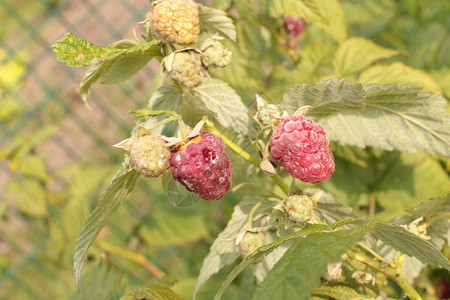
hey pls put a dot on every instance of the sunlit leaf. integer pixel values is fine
(411, 244)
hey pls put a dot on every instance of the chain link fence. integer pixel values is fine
(55, 153)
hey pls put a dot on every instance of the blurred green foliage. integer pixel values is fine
(42, 208)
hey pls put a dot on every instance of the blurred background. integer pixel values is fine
(56, 155)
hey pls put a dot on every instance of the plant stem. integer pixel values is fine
(374, 254)
(135, 257)
(280, 182)
(252, 212)
(254, 161)
(393, 273)
(372, 204)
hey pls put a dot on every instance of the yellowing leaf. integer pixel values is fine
(356, 54)
(400, 74)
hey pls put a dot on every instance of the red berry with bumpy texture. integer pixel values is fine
(293, 26)
(176, 21)
(203, 167)
(150, 156)
(301, 146)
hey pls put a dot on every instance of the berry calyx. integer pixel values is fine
(217, 55)
(150, 156)
(251, 241)
(266, 114)
(299, 208)
(293, 26)
(301, 146)
(186, 69)
(203, 167)
(176, 21)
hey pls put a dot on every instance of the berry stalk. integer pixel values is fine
(394, 273)
(254, 161)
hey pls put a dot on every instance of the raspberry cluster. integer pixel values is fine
(301, 146)
(203, 167)
(176, 21)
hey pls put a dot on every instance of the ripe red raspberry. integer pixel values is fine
(176, 21)
(301, 146)
(293, 26)
(203, 167)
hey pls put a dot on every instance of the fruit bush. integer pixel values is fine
(337, 148)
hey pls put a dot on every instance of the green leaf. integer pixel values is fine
(247, 11)
(328, 209)
(261, 251)
(432, 208)
(149, 292)
(193, 109)
(119, 187)
(220, 98)
(216, 21)
(407, 178)
(440, 76)
(100, 282)
(174, 227)
(77, 52)
(146, 112)
(119, 67)
(356, 54)
(407, 242)
(223, 251)
(34, 166)
(91, 76)
(400, 74)
(405, 118)
(152, 290)
(306, 9)
(338, 292)
(247, 50)
(124, 67)
(29, 195)
(166, 98)
(335, 24)
(327, 97)
(298, 272)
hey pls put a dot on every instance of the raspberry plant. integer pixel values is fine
(340, 140)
